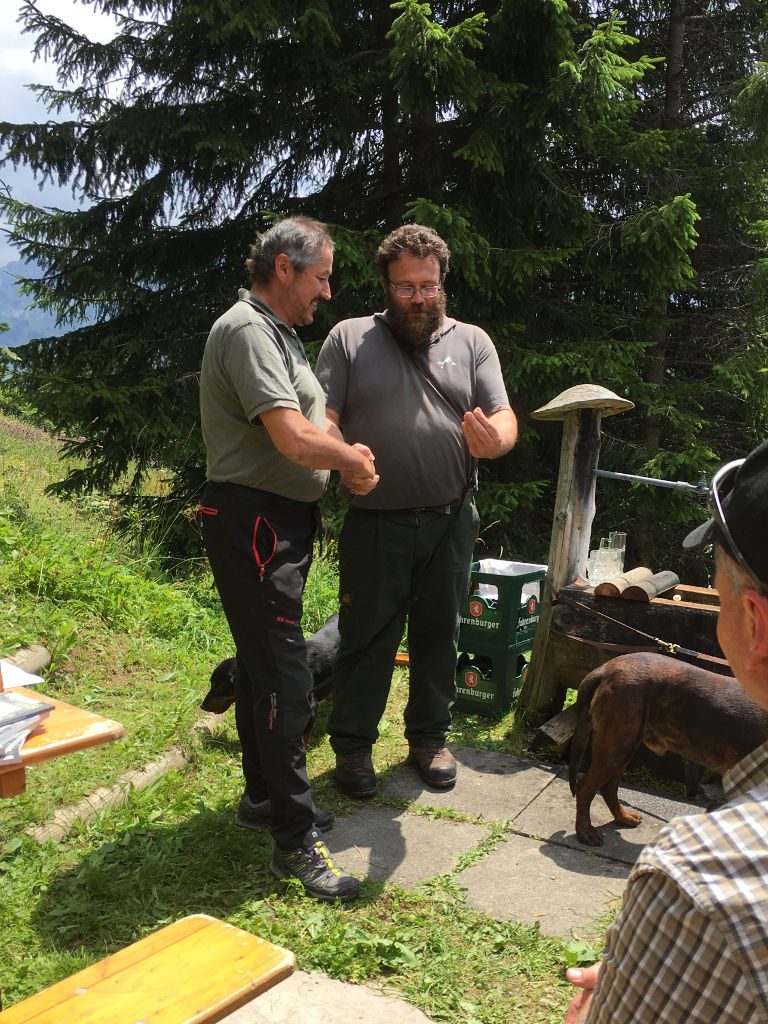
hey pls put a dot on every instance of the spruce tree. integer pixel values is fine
(604, 206)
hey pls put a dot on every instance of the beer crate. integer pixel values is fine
(488, 682)
(512, 615)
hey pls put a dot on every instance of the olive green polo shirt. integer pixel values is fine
(253, 363)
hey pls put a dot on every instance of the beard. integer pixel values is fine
(415, 330)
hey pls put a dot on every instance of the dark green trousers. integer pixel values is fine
(395, 566)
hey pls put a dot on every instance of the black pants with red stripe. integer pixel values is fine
(260, 549)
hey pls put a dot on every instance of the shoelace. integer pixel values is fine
(321, 854)
(322, 861)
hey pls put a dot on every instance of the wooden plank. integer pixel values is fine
(13, 781)
(195, 971)
(67, 729)
(690, 626)
(672, 598)
(696, 595)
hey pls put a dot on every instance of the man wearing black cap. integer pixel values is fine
(691, 942)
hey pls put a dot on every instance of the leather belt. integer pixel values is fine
(445, 510)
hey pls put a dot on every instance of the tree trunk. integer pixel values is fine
(391, 183)
(656, 357)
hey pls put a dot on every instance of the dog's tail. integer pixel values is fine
(583, 731)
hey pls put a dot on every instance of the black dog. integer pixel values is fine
(321, 653)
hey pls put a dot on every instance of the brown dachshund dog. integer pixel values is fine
(666, 704)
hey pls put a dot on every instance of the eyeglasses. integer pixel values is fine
(722, 482)
(407, 291)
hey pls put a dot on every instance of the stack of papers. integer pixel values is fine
(19, 716)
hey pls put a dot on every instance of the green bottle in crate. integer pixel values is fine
(488, 684)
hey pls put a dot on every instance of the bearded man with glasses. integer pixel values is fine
(691, 942)
(426, 393)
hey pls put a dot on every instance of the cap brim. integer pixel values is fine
(704, 534)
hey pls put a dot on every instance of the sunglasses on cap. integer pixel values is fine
(722, 483)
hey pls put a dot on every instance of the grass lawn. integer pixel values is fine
(131, 643)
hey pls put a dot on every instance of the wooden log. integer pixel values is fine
(32, 659)
(616, 585)
(645, 590)
(557, 732)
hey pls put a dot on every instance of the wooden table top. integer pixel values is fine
(66, 729)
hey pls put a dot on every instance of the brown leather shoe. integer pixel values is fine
(435, 762)
(355, 775)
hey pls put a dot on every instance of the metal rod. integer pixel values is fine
(678, 485)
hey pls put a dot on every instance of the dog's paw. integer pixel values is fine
(629, 819)
(589, 836)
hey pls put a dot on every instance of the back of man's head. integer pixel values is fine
(739, 502)
(301, 239)
(739, 523)
(413, 240)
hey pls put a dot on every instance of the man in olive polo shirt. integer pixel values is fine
(268, 457)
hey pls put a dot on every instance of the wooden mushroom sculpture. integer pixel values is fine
(581, 409)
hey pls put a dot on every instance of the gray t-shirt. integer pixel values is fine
(384, 401)
(253, 363)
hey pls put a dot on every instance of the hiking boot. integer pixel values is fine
(250, 814)
(313, 867)
(435, 763)
(355, 775)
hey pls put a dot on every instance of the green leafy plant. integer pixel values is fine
(580, 953)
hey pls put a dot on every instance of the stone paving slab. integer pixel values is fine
(552, 816)
(496, 786)
(539, 874)
(386, 845)
(663, 807)
(315, 999)
(561, 889)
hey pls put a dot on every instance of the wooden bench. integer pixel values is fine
(195, 971)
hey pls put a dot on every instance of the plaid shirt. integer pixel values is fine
(691, 941)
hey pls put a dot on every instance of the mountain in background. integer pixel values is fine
(24, 323)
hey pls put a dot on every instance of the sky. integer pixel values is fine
(19, 105)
